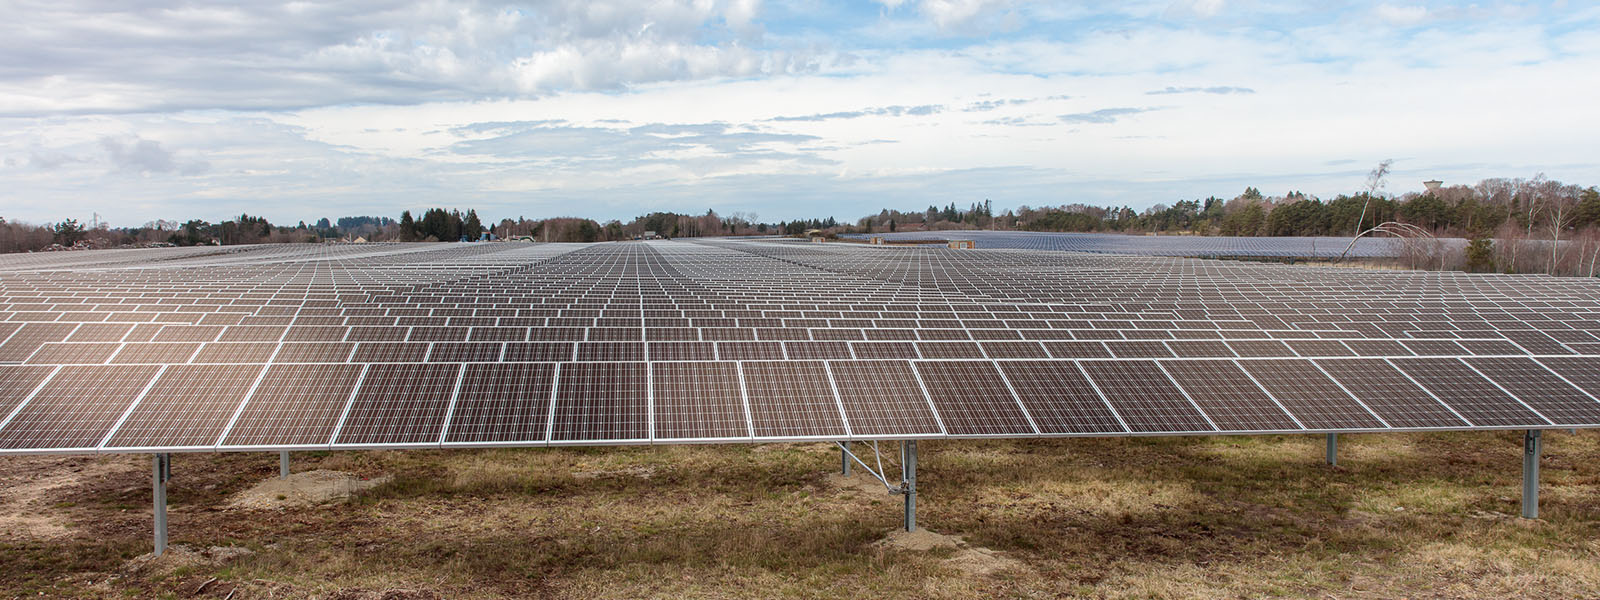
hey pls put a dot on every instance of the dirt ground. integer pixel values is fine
(300, 490)
(1403, 516)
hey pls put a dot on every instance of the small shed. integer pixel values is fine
(876, 240)
(961, 245)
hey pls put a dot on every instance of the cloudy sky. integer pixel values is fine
(141, 110)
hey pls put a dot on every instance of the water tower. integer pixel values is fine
(1432, 185)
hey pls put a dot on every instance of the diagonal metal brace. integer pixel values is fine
(875, 473)
(908, 475)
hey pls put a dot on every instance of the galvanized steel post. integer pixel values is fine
(908, 481)
(283, 464)
(1333, 449)
(162, 472)
(1532, 444)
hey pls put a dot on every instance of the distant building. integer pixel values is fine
(962, 244)
(1432, 185)
(876, 240)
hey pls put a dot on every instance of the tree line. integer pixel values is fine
(1522, 225)
(1454, 211)
(1515, 225)
(433, 225)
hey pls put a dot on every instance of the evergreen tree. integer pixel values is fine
(68, 232)
(1480, 255)
(472, 228)
(408, 226)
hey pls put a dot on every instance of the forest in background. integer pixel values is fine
(1532, 225)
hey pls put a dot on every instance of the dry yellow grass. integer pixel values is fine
(1404, 516)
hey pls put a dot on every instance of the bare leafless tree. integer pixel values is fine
(1508, 239)
(23, 237)
(1529, 192)
(1375, 180)
(1496, 191)
(1374, 183)
(1560, 209)
(1588, 241)
(1594, 257)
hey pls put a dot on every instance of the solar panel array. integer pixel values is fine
(464, 345)
(1172, 245)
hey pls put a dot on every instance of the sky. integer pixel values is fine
(138, 110)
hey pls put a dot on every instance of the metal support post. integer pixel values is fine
(1333, 449)
(908, 481)
(1532, 444)
(283, 464)
(162, 473)
(844, 459)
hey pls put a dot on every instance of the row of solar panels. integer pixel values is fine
(489, 299)
(1280, 284)
(1167, 278)
(385, 329)
(468, 317)
(458, 329)
(134, 408)
(95, 353)
(368, 329)
(98, 295)
(523, 317)
(83, 343)
(289, 254)
(362, 328)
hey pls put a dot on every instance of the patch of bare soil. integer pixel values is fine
(303, 489)
(860, 483)
(178, 556)
(30, 486)
(968, 559)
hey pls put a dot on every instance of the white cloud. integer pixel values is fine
(953, 14)
(133, 154)
(1197, 8)
(1401, 15)
(612, 108)
(116, 57)
(948, 17)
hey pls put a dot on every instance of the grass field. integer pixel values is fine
(1404, 516)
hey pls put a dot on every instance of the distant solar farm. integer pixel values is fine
(1167, 245)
